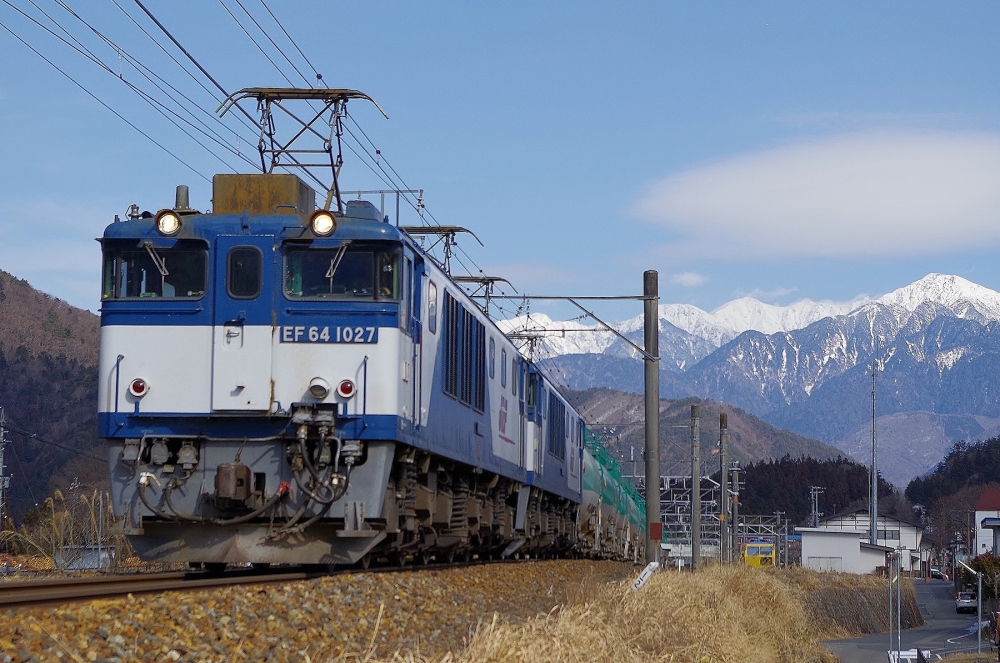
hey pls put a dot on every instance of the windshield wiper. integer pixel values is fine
(158, 260)
(335, 262)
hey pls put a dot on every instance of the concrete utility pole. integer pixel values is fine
(735, 470)
(651, 300)
(695, 489)
(814, 512)
(873, 499)
(724, 544)
(778, 538)
(4, 479)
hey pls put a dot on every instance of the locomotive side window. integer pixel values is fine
(465, 355)
(493, 356)
(343, 273)
(147, 272)
(503, 368)
(557, 427)
(243, 269)
(432, 307)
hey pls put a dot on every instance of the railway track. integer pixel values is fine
(64, 590)
(55, 591)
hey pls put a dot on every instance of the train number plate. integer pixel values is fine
(328, 334)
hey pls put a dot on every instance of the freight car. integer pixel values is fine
(286, 384)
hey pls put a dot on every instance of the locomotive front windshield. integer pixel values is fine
(177, 273)
(346, 272)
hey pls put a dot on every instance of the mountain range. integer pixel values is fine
(807, 367)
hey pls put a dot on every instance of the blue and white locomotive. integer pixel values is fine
(281, 384)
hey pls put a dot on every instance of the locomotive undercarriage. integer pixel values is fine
(319, 499)
(436, 508)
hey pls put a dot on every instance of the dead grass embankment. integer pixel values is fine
(841, 605)
(719, 614)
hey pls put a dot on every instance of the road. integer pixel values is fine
(944, 632)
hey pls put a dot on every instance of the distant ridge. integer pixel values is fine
(806, 367)
(38, 323)
(48, 388)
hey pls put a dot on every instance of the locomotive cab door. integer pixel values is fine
(409, 324)
(241, 323)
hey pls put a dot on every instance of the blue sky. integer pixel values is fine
(781, 150)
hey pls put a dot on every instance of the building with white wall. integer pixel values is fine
(987, 506)
(825, 549)
(893, 533)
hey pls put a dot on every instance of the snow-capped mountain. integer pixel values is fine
(964, 298)
(807, 366)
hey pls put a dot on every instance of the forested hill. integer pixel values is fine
(783, 485)
(620, 417)
(39, 323)
(48, 388)
(965, 465)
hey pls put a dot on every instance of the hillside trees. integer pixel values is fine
(966, 464)
(783, 485)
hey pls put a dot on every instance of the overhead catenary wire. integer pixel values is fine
(80, 48)
(251, 38)
(244, 119)
(278, 48)
(185, 117)
(214, 82)
(37, 438)
(149, 75)
(319, 76)
(17, 458)
(100, 101)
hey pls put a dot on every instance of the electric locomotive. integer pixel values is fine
(286, 384)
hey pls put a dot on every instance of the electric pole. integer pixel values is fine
(695, 489)
(873, 499)
(814, 512)
(651, 320)
(724, 545)
(4, 479)
(735, 471)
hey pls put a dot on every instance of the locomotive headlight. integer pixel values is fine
(319, 388)
(322, 223)
(168, 223)
(346, 389)
(138, 387)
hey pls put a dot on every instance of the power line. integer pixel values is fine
(98, 100)
(17, 458)
(319, 76)
(264, 32)
(246, 121)
(147, 73)
(36, 438)
(210, 78)
(88, 54)
(250, 37)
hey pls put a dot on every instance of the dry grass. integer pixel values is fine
(719, 614)
(841, 605)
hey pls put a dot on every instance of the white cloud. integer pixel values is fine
(688, 279)
(766, 295)
(854, 195)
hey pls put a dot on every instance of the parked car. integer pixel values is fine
(965, 602)
(937, 574)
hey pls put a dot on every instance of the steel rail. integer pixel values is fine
(56, 591)
(64, 590)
